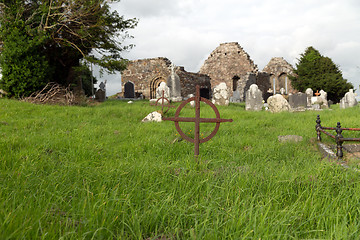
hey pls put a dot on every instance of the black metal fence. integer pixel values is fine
(339, 138)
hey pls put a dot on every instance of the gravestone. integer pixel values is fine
(161, 88)
(290, 138)
(321, 99)
(349, 100)
(309, 94)
(192, 103)
(221, 95)
(100, 95)
(298, 101)
(244, 83)
(278, 103)
(253, 99)
(129, 90)
(173, 82)
(235, 97)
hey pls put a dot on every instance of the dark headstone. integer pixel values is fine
(100, 95)
(298, 100)
(129, 90)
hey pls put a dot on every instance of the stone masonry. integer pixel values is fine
(228, 63)
(147, 74)
(279, 70)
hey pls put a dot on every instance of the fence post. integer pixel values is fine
(339, 141)
(317, 127)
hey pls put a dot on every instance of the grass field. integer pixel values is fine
(99, 173)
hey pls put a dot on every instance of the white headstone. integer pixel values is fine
(278, 103)
(309, 93)
(161, 88)
(174, 85)
(349, 100)
(253, 98)
(221, 95)
(192, 103)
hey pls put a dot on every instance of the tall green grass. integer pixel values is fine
(99, 173)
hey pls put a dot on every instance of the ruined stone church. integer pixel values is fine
(228, 63)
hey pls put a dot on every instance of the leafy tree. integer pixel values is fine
(53, 36)
(318, 72)
(24, 65)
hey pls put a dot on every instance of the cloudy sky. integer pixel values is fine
(187, 31)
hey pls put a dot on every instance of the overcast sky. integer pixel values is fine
(187, 31)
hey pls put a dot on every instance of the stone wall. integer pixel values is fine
(279, 70)
(228, 63)
(189, 81)
(263, 82)
(244, 84)
(147, 74)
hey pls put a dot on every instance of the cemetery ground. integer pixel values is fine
(99, 173)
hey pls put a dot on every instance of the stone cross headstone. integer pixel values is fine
(321, 99)
(221, 95)
(102, 86)
(174, 85)
(298, 101)
(349, 100)
(278, 103)
(161, 88)
(253, 99)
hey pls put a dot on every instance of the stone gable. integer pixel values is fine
(279, 70)
(228, 63)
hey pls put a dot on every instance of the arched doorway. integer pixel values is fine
(205, 93)
(129, 90)
(235, 80)
(283, 81)
(154, 84)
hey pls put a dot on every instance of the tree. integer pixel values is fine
(58, 34)
(318, 72)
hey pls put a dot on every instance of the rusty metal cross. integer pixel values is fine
(197, 120)
(163, 98)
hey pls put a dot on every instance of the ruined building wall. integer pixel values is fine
(263, 82)
(189, 81)
(147, 74)
(228, 63)
(279, 70)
